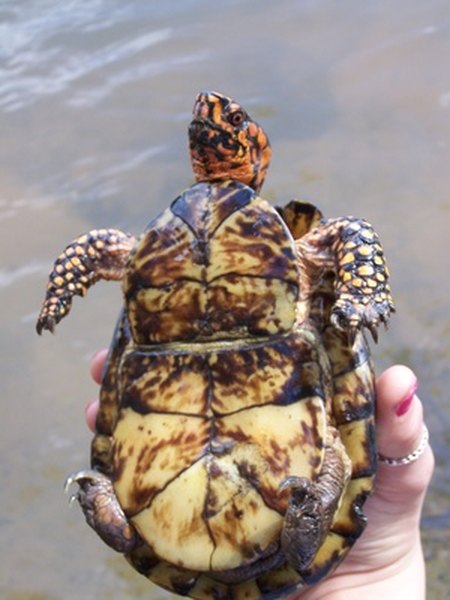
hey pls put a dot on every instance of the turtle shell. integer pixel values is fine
(218, 263)
(213, 396)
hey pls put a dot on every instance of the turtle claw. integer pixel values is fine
(53, 310)
(374, 331)
(83, 476)
(294, 483)
(352, 317)
(72, 499)
(45, 323)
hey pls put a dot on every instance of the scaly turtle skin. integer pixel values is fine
(235, 441)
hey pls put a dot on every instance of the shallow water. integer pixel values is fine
(95, 98)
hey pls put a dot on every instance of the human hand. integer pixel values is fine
(387, 560)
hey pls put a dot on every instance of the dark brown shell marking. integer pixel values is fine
(219, 263)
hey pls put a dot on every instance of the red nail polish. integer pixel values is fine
(403, 406)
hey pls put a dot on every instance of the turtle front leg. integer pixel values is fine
(351, 249)
(102, 510)
(99, 254)
(311, 508)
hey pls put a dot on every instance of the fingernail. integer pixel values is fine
(403, 406)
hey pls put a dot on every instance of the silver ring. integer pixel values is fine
(413, 456)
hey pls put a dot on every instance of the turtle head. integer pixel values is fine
(225, 142)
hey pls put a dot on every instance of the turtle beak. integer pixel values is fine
(209, 105)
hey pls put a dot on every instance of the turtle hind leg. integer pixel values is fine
(312, 506)
(99, 254)
(102, 510)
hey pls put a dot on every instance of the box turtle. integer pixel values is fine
(235, 442)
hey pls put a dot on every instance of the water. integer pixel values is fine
(95, 97)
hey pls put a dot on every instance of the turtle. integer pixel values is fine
(235, 440)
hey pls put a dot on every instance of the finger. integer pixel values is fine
(97, 363)
(400, 429)
(399, 411)
(91, 411)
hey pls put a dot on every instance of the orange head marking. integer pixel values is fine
(225, 143)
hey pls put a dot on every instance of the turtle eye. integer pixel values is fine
(236, 118)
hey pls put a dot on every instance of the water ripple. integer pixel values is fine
(26, 27)
(35, 64)
(19, 89)
(92, 96)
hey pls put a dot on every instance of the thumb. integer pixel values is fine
(401, 433)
